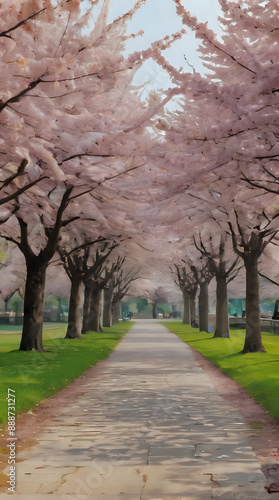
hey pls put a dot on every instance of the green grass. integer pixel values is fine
(258, 373)
(36, 376)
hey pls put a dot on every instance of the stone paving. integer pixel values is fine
(150, 426)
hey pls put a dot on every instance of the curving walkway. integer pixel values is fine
(150, 426)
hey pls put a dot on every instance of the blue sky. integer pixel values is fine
(158, 18)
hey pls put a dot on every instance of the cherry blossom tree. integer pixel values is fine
(66, 104)
(240, 85)
(75, 134)
(237, 138)
(123, 282)
(36, 266)
(109, 289)
(156, 296)
(186, 281)
(203, 275)
(224, 265)
(250, 248)
(96, 275)
(74, 264)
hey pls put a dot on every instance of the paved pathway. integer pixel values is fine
(150, 426)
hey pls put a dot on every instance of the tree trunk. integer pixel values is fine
(36, 266)
(101, 310)
(253, 338)
(186, 315)
(193, 309)
(74, 320)
(34, 299)
(154, 315)
(94, 314)
(86, 308)
(203, 307)
(107, 315)
(115, 312)
(222, 328)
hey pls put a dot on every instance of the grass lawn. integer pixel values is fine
(36, 376)
(258, 373)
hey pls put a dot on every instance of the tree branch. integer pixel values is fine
(23, 245)
(269, 279)
(72, 219)
(260, 186)
(49, 249)
(20, 191)
(233, 235)
(19, 172)
(6, 33)
(16, 98)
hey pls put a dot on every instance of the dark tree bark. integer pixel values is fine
(116, 312)
(193, 308)
(203, 277)
(32, 331)
(96, 277)
(203, 307)
(222, 328)
(187, 282)
(75, 264)
(108, 303)
(86, 308)
(253, 337)
(74, 320)
(186, 314)
(154, 312)
(94, 323)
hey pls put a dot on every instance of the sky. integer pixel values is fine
(158, 18)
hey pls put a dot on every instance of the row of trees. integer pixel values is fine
(91, 170)
(223, 147)
(66, 102)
